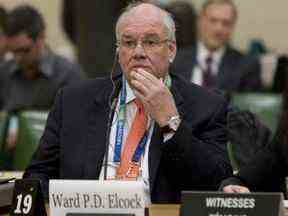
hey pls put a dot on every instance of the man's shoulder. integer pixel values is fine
(7, 64)
(234, 52)
(85, 93)
(95, 84)
(61, 63)
(242, 58)
(196, 94)
(7, 68)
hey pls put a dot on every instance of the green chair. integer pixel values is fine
(265, 105)
(5, 157)
(3, 126)
(31, 127)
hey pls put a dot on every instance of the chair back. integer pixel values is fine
(31, 127)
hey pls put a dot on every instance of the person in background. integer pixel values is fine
(268, 169)
(173, 132)
(213, 62)
(3, 46)
(185, 16)
(34, 75)
(3, 42)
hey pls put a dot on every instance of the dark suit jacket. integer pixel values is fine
(236, 71)
(266, 171)
(195, 158)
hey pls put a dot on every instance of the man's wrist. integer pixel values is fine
(172, 124)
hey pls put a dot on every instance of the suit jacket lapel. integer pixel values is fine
(97, 122)
(154, 154)
(157, 138)
(225, 68)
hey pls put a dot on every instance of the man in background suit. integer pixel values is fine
(167, 133)
(213, 63)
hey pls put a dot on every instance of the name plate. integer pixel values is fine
(226, 204)
(91, 197)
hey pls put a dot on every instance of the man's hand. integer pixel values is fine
(156, 97)
(235, 189)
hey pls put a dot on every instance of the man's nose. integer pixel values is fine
(219, 27)
(139, 51)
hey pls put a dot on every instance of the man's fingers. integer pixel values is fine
(235, 189)
(140, 87)
(145, 78)
(148, 76)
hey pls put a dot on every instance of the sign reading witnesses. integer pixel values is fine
(27, 198)
(76, 197)
(225, 204)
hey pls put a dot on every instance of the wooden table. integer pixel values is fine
(164, 210)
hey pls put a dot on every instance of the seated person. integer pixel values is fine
(214, 62)
(166, 132)
(32, 78)
(3, 43)
(267, 170)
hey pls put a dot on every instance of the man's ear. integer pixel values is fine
(172, 51)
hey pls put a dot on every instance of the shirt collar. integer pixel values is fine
(203, 53)
(130, 96)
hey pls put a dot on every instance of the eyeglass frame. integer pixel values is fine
(147, 47)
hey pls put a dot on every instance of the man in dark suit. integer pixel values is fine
(213, 63)
(172, 132)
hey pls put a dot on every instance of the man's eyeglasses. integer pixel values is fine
(148, 44)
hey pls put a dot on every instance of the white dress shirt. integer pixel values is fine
(131, 110)
(202, 54)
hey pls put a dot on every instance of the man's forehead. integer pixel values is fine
(129, 35)
(143, 15)
(220, 10)
(145, 10)
(143, 25)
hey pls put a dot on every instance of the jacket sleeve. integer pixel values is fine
(266, 171)
(199, 155)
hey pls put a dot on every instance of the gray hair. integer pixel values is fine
(169, 24)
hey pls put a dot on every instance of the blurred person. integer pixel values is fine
(171, 133)
(3, 42)
(268, 169)
(32, 78)
(3, 46)
(280, 73)
(90, 27)
(185, 16)
(213, 62)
